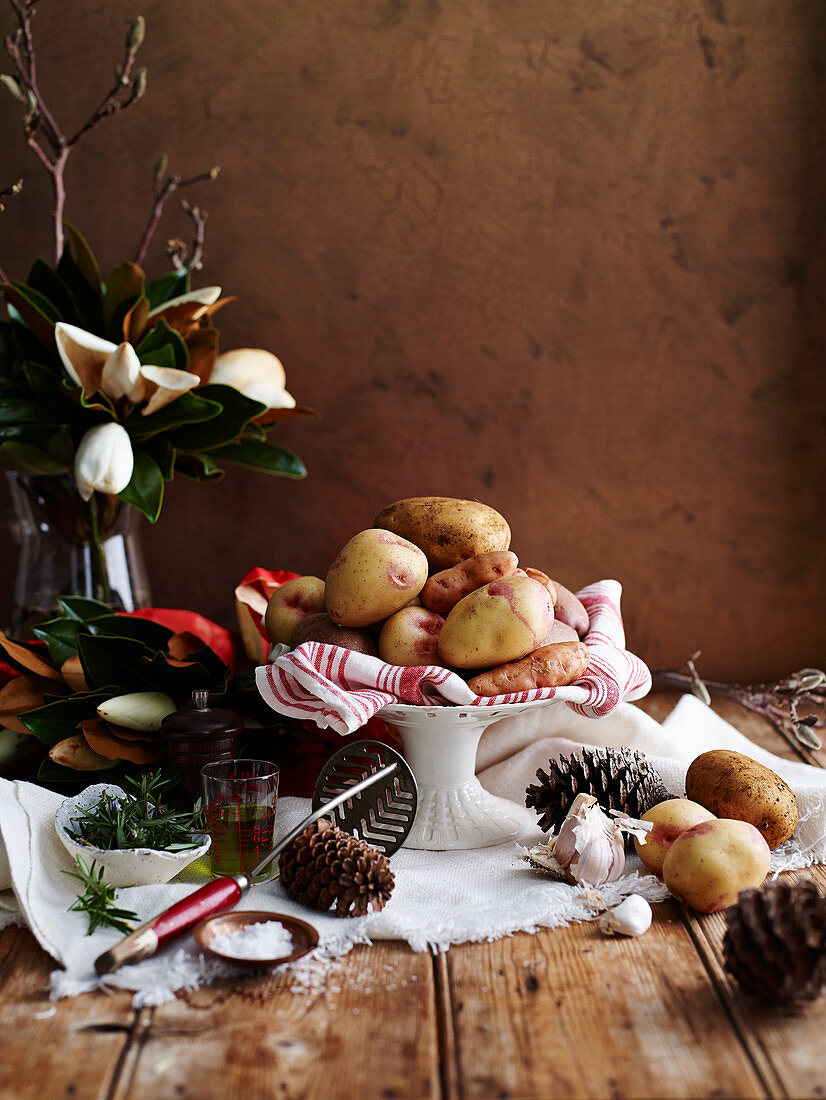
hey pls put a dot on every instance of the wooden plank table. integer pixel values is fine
(564, 1013)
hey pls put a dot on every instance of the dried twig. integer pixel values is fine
(43, 133)
(795, 706)
(164, 185)
(190, 259)
(7, 193)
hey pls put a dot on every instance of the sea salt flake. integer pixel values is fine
(267, 939)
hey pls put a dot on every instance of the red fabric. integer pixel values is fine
(7, 672)
(218, 638)
(252, 595)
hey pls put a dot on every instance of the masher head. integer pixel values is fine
(382, 814)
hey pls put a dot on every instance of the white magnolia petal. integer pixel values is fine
(83, 354)
(122, 375)
(205, 296)
(104, 460)
(256, 373)
(170, 383)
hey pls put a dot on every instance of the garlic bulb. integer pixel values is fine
(589, 845)
(632, 917)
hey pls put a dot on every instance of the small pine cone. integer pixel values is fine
(326, 867)
(775, 942)
(619, 779)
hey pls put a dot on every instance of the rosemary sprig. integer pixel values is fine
(98, 900)
(138, 821)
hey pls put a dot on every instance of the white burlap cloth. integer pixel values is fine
(482, 894)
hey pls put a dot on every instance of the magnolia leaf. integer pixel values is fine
(163, 347)
(84, 257)
(152, 634)
(179, 679)
(19, 695)
(72, 672)
(167, 287)
(198, 467)
(183, 644)
(86, 296)
(124, 284)
(61, 448)
(146, 487)
(236, 412)
(114, 661)
(203, 351)
(135, 320)
(27, 459)
(163, 455)
(274, 416)
(50, 396)
(60, 636)
(101, 740)
(263, 456)
(48, 283)
(82, 608)
(57, 720)
(20, 410)
(50, 774)
(201, 298)
(34, 310)
(190, 408)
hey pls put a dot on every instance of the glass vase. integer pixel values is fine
(71, 547)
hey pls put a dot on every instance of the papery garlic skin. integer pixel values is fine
(256, 373)
(632, 917)
(589, 844)
(104, 460)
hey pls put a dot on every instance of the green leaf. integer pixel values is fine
(86, 295)
(49, 392)
(50, 774)
(20, 410)
(107, 660)
(236, 412)
(179, 682)
(167, 287)
(82, 608)
(198, 467)
(162, 346)
(60, 636)
(263, 456)
(84, 257)
(150, 633)
(27, 459)
(34, 310)
(61, 448)
(47, 282)
(161, 453)
(57, 720)
(186, 409)
(145, 489)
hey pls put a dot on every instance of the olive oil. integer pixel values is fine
(242, 834)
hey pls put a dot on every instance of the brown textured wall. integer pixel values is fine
(565, 256)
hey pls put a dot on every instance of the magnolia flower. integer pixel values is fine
(98, 365)
(256, 373)
(104, 460)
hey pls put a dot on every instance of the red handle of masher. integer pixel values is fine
(215, 897)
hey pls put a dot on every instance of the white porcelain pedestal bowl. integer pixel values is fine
(455, 811)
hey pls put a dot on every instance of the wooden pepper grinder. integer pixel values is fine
(197, 735)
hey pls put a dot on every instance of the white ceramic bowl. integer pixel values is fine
(124, 866)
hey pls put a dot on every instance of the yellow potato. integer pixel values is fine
(733, 785)
(670, 819)
(375, 574)
(709, 864)
(448, 530)
(290, 603)
(410, 637)
(501, 622)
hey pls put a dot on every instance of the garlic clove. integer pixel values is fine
(632, 917)
(601, 859)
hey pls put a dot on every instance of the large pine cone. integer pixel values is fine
(775, 942)
(619, 779)
(326, 867)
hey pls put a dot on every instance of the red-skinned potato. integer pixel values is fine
(375, 574)
(410, 637)
(560, 632)
(502, 621)
(290, 603)
(549, 666)
(444, 590)
(709, 864)
(321, 628)
(569, 609)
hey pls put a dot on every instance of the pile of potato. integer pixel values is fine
(434, 582)
(718, 840)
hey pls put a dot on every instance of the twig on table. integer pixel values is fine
(795, 705)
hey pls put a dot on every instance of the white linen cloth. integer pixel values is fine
(483, 894)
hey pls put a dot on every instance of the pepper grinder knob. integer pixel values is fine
(197, 735)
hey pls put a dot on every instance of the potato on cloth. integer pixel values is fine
(340, 689)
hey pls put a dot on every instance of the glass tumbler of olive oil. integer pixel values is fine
(240, 797)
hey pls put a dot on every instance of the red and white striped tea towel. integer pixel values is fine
(340, 689)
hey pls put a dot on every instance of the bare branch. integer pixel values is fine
(10, 192)
(126, 90)
(191, 259)
(163, 186)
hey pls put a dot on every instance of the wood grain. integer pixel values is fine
(369, 1029)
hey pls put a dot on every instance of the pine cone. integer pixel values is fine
(619, 779)
(324, 866)
(775, 942)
